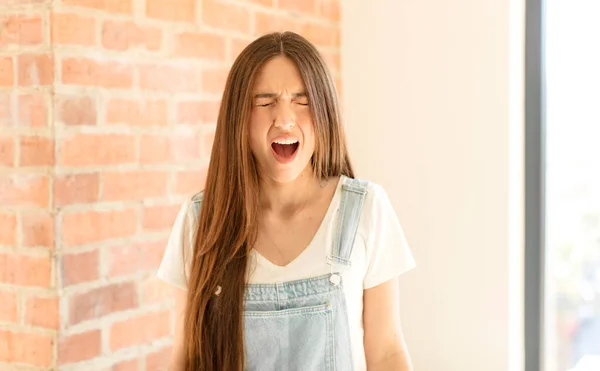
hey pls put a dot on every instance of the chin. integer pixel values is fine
(287, 174)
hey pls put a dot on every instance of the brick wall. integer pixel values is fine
(107, 111)
(29, 319)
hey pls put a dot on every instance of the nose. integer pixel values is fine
(284, 116)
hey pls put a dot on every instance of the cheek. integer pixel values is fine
(258, 128)
(308, 129)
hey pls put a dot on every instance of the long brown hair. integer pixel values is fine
(227, 228)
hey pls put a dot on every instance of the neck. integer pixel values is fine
(286, 199)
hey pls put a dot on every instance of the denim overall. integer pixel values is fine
(303, 325)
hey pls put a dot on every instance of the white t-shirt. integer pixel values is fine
(380, 253)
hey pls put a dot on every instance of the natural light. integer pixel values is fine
(572, 305)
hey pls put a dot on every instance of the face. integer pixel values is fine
(281, 129)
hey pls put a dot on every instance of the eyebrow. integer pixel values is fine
(273, 95)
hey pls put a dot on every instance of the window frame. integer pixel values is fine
(535, 188)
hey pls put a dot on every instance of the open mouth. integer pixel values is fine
(285, 150)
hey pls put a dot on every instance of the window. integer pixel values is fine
(563, 186)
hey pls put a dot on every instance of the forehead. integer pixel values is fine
(277, 75)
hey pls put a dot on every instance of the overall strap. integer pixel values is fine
(353, 196)
(197, 201)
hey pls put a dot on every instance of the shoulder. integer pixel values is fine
(189, 213)
(174, 267)
(387, 252)
(192, 204)
(375, 196)
(184, 228)
(197, 197)
(377, 209)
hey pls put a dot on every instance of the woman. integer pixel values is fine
(284, 261)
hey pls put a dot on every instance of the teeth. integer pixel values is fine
(286, 141)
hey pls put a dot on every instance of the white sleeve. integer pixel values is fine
(388, 253)
(176, 261)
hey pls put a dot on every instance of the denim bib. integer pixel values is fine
(303, 325)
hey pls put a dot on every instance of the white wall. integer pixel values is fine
(433, 106)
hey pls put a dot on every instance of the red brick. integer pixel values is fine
(184, 11)
(266, 3)
(24, 190)
(193, 112)
(7, 71)
(174, 148)
(25, 347)
(102, 301)
(79, 268)
(136, 257)
(127, 186)
(8, 309)
(77, 110)
(159, 217)
(158, 360)
(76, 188)
(37, 229)
(170, 78)
(185, 146)
(267, 22)
(24, 270)
(320, 35)
(237, 46)
(35, 69)
(330, 9)
(208, 141)
(304, 6)
(32, 110)
(42, 312)
(155, 149)
(73, 29)
(112, 6)
(134, 112)
(79, 347)
(140, 330)
(200, 45)
(36, 151)
(21, 30)
(8, 229)
(214, 79)
(7, 151)
(98, 149)
(95, 226)
(155, 291)
(226, 16)
(88, 72)
(189, 182)
(123, 35)
(6, 118)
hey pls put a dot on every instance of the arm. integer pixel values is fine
(385, 349)
(177, 360)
